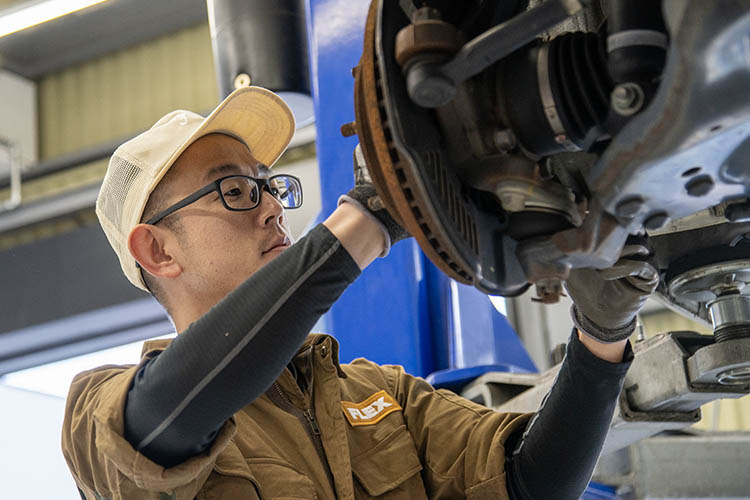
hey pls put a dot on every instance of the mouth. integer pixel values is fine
(278, 245)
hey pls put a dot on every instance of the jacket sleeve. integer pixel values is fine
(105, 466)
(461, 444)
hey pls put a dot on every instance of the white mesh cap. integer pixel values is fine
(256, 116)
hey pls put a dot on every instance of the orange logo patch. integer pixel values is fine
(370, 411)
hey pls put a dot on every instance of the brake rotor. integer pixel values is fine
(463, 231)
(390, 167)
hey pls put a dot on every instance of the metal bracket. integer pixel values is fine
(657, 394)
(15, 165)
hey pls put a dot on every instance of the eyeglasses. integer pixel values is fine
(240, 192)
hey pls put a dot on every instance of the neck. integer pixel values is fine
(190, 308)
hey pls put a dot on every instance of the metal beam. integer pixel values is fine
(50, 208)
(81, 334)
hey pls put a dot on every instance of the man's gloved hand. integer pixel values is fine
(364, 196)
(605, 302)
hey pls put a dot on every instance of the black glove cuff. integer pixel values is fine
(368, 198)
(596, 332)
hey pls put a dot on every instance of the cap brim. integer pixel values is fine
(254, 115)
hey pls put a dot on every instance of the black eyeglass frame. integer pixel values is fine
(263, 184)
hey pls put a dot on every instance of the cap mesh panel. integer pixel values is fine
(123, 190)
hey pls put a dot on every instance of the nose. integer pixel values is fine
(269, 211)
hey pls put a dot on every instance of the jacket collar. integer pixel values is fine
(319, 338)
(151, 346)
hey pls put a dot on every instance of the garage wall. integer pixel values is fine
(18, 119)
(125, 92)
(98, 102)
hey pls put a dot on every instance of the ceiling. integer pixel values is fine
(92, 32)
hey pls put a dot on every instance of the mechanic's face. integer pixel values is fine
(219, 248)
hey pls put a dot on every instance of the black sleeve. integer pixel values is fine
(180, 399)
(556, 455)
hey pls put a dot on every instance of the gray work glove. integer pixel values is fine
(364, 197)
(606, 301)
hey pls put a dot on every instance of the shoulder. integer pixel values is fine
(364, 371)
(98, 393)
(365, 378)
(92, 380)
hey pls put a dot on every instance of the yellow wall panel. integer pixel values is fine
(726, 415)
(668, 321)
(125, 92)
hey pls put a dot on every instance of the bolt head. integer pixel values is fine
(622, 93)
(505, 140)
(627, 99)
(349, 129)
(242, 80)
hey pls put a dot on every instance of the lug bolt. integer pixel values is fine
(349, 129)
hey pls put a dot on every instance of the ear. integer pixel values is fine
(150, 247)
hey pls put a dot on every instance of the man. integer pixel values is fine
(244, 403)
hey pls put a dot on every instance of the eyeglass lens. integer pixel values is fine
(243, 193)
(287, 190)
(240, 192)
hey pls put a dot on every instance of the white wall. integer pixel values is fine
(31, 463)
(18, 116)
(32, 403)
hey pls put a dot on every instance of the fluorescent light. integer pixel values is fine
(32, 13)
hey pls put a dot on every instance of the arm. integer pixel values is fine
(613, 352)
(180, 399)
(556, 455)
(559, 449)
(360, 235)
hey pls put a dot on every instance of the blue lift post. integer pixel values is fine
(402, 310)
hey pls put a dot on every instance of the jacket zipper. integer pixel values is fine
(307, 418)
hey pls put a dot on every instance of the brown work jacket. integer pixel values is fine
(359, 431)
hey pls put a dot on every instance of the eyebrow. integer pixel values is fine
(263, 169)
(234, 169)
